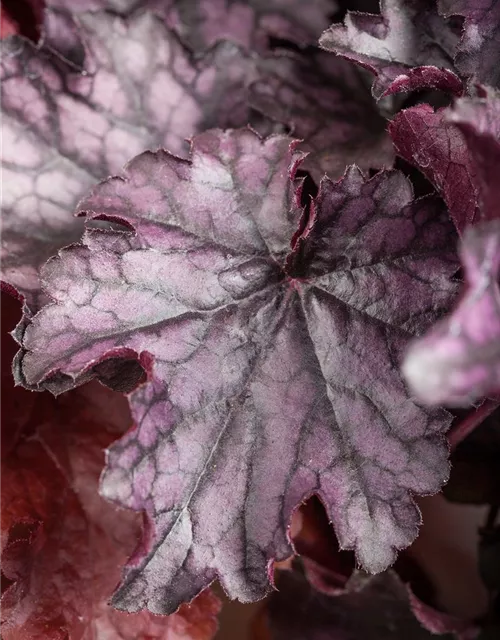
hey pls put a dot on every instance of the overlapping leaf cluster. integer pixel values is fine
(206, 211)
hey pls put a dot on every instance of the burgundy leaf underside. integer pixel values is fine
(273, 372)
(479, 122)
(329, 571)
(425, 139)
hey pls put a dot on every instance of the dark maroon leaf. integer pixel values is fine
(458, 361)
(8, 26)
(273, 373)
(425, 78)
(479, 122)
(425, 139)
(194, 621)
(65, 573)
(328, 570)
(17, 405)
(62, 131)
(375, 608)
(406, 34)
(478, 54)
(326, 102)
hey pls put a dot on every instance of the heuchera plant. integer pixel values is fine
(275, 242)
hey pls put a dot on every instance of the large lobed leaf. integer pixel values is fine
(479, 122)
(142, 90)
(272, 371)
(63, 546)
(249, 23)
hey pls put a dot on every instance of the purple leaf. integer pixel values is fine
(375, 608)
(326, 102)
(478, 54)
(458, 361)
(424, 139)
(248, 23)
(407, 33)
(479, 122)
(272, 357)
(63, 131)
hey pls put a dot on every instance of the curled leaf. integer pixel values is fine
(425, 139)
(479, 122)
(425, 77)
(406, 34)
